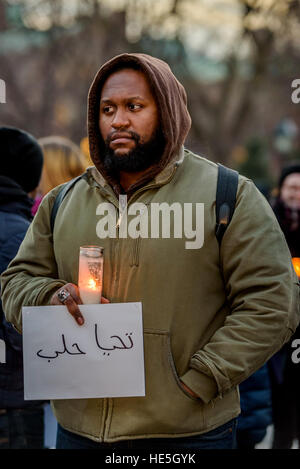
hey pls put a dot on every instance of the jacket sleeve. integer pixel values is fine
(31, 277)
(262, 292)
(9, 249)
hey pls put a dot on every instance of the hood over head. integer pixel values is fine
(13, 199)
(286, 171)
(171, 99)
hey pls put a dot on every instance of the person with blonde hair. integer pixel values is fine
(63, 161)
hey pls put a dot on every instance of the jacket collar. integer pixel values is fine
(161, 178)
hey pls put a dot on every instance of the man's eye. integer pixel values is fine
(134, 107)
(107, 109)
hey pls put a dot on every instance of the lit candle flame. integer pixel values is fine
(92, 284)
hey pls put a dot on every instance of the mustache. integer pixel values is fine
(132, 134)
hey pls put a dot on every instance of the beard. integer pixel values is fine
(140, 158)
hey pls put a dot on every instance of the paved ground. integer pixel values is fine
(267, 441)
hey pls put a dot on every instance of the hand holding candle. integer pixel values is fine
(89, 290)
(72, 301)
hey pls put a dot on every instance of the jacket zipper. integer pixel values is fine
(107, 402)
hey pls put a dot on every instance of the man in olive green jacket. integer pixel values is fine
(211, 316)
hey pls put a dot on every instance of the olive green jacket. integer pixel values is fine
(211, 316)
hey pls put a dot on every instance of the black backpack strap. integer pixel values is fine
(59, 198)
(225, 199)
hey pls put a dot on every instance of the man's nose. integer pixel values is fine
(120, 119)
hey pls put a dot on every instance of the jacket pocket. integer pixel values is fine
(174, 371)
(167, 409)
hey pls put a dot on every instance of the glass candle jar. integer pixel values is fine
(90, 276)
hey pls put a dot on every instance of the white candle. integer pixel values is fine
(90, 276)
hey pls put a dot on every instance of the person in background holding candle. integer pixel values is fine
(284, 373)
(211, 317)
(21, 162)
(286, 206)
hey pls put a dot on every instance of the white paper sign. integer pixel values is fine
(102, 358)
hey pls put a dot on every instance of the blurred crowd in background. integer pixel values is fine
(238, 61)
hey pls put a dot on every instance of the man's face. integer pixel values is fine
(128, 120)
(290, 191)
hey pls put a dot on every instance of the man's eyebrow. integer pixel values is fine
(107, 100)
(136, 97)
